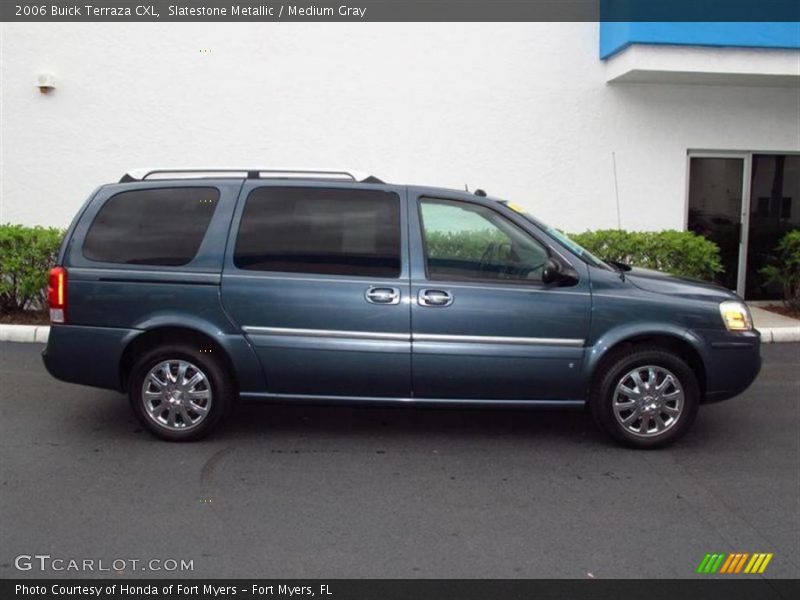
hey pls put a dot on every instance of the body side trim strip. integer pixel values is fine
(417, 337)
(496, 339)
(329, 333)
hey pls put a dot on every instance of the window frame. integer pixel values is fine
(424, 245)
(250, 188)
(103, 203)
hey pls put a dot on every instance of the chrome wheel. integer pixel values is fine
(648, 401)
(176, 395)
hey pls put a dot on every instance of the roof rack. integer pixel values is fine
(247, 172)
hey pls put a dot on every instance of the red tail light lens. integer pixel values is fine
(57, 294)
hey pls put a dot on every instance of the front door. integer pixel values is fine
(315, 276)
(484, 326)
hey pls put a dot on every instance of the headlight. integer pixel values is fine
(736, 316)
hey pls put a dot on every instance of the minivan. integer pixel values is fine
(192, 289)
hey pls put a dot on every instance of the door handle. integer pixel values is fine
(438, 298)
(383, 295)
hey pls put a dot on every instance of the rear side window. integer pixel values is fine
(320, 230)
(163, 226)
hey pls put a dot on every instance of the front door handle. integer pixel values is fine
(383, 295)
(435, 298)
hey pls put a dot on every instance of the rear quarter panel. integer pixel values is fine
(113, 303)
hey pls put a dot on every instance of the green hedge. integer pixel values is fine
(677, 252)
(785, 270)
(26, 255)
(464, 245)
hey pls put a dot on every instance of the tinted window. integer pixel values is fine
(317, 230)
(471, 242)
(162, 226)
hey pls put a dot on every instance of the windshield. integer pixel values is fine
(562, 238)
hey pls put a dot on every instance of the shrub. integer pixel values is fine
(678, 252)
(785, 269)
(464, 245)
(26, 254)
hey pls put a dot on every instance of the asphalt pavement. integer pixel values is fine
(302, 492)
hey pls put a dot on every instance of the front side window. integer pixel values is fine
(471, 242)
(329, 231)
(154, 226)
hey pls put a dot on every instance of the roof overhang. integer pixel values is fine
(643, 63)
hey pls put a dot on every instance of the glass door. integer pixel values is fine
(718, 204)
(774, 210)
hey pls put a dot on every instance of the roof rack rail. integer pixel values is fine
(247, 172)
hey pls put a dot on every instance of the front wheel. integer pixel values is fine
(179, 393)
(646, 397)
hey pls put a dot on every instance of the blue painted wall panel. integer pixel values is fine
(615, 36)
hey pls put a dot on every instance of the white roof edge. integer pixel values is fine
(141, 173)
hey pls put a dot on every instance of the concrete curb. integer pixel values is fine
(780, 334)
(39, 333)
(24, 333)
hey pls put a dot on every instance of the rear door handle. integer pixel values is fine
(439, 298)
(383, 295)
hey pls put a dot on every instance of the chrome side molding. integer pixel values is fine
(496, 339)
(417, 337)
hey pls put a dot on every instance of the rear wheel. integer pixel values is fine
(645, 397)
(179, 393)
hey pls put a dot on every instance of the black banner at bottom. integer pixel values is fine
(398, 589)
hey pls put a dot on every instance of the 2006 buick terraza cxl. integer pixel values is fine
(189, 289)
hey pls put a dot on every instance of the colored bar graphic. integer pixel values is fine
(734, 563)
(727, 564)
(754, 563)
(703, 563)
(764, 564)
(717, 563)
(741, 562)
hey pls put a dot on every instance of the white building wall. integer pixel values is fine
(521, 110)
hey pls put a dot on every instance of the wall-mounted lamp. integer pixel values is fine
(46, 83)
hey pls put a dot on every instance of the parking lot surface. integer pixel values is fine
(298, 491)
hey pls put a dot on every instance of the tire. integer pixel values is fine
(646, 414)
(185, 404)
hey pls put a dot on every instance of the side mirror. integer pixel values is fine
(551, 272)
(554, 273)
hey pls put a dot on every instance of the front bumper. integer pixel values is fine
(732, 361)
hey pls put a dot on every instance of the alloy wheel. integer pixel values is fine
(648, 401)
(176, 395)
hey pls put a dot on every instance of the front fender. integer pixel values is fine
(618, 335)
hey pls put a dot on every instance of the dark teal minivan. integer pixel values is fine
(189, 289)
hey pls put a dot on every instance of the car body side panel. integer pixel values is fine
(498, 340)
(317, 334)
(112, 304)
(87, 355)
(622, 311)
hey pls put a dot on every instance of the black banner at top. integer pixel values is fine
(400, 10)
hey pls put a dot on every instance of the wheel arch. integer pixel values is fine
(159, 335)
(669, 338)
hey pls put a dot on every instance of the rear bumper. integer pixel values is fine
(87, 355)
(733, 361)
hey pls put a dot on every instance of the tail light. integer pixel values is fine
(57, 294)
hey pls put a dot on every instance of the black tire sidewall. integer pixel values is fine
(616, 367)
(219, 382)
